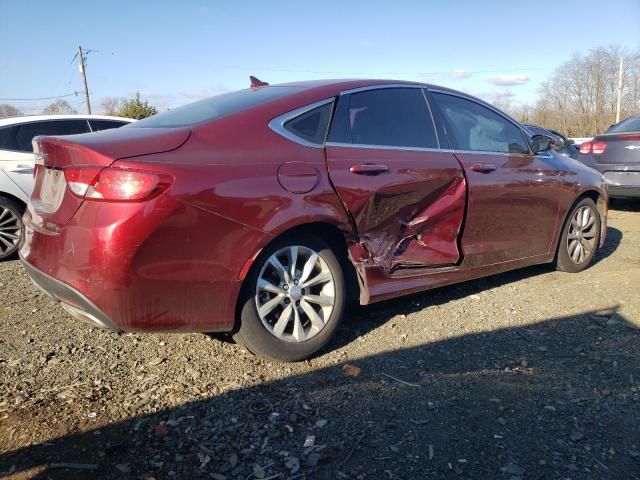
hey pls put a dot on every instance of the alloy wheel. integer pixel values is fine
(581, 240)
(10, 228)
(295, 294)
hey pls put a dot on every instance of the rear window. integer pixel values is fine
(629, 125)
(98, 125)
(214, 107)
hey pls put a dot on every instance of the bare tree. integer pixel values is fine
(7, 110)
(580, 97)
(112, 105)
(59, 107)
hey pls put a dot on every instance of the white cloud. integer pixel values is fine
(366, 43)
(508, 80)
(460, 74)
(200, 93)
(195, 94)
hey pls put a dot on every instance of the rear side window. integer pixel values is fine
(98, 125)
(27, 131)
(214, 107)
(8, 138)
(471, 126)
(312, 125)
(394, 117)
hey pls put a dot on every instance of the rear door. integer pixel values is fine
(405, 195)
(513, 205)
(17, 158)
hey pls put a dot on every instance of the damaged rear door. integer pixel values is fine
(405, 194)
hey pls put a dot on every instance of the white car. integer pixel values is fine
(16, 163)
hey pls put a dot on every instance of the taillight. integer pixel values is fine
(593, 147)
(115, 184)
(585, 147)
(598, 147)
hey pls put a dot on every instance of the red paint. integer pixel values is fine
(175, 261)
(298, 177)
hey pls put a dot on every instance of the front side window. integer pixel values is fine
(312, 125)
(474, 127)
(394, 117)
(27, 131)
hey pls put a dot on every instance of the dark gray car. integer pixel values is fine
(616, 154)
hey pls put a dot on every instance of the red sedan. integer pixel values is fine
(262, 211)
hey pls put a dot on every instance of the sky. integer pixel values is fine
(178, 52)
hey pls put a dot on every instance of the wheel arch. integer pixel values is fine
(601, 202)
(15, 199)
(601, 205)
(334, 236)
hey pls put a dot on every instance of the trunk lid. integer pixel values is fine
(52, 204)
(622, 149)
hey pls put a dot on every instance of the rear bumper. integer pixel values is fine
(166, 267)
(74, 302)
(623, 180)
(622, 191)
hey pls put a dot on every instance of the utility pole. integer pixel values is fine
(84, 77)
(619, 92)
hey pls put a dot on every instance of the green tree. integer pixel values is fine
(136, 108)
(59, 107)
(7, 110)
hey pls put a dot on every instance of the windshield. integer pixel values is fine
(214, 107)
(629, 125)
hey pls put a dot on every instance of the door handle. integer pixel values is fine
(483, 167)
(369, 169)
(22, 169)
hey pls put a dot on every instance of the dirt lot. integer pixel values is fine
(528, 375)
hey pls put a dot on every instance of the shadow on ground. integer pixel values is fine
(556, 399)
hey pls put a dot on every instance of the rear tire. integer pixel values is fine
(580, 237)
(10, 228)
(292, 299)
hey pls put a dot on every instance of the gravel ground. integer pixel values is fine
(529, 375)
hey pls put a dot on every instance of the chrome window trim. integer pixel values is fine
(277, 124)
(504, 154)
(382, 86)
(494, 110)
(433, 119)
(385, 147)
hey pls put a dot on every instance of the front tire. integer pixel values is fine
(292, 300)
(580, 237)
(10, 228)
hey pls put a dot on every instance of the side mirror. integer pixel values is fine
(570, 141)
(540, 143)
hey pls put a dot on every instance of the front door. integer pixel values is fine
(513, 209)
(405, 195)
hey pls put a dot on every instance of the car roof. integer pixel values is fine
(38, 118)
(352, 83)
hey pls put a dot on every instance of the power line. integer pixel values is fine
(433, 72)
(40, 98)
